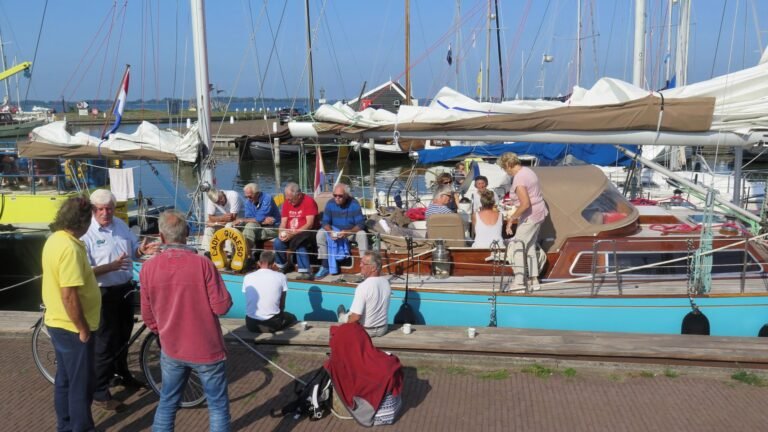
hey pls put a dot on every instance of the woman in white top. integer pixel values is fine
(487, 222)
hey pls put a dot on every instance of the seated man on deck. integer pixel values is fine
(265, 291)
(370, 306)
(342, 218)
(440, 201)
(221, 210)
(298, 220)
(261, 219)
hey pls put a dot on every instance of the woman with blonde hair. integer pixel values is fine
(531, 212)
(487, 222)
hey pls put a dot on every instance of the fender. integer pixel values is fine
(219, 257)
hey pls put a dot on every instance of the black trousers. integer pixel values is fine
(112, 337)
(276, 323)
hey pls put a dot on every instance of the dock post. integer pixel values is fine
(372, 163)
(276, 151)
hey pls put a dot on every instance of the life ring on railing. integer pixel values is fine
(219, 257)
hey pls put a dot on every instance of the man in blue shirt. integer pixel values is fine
(342, 218)
(262, 216)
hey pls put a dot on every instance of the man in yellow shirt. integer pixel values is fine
(73, 305)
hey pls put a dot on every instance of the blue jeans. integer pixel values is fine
(302, 258)
(175, 374)
(75, 380)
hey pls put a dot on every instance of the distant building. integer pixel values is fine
(388, 96)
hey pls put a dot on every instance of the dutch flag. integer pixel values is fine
(119, 103)
(319, 171)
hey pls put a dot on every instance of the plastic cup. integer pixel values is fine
(407, 328)
(471, 332)
(304, 325)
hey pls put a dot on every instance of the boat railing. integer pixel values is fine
(595, 247)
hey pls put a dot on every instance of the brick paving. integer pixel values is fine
(437, 396)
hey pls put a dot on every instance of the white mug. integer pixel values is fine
(471, 332)
(407, 328)
(304, 325)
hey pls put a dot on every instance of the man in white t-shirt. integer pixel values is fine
(221, 210)
(370, 306)
(265, 291)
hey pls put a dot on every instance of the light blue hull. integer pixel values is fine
(738, 315)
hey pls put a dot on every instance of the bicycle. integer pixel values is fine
(149, 359)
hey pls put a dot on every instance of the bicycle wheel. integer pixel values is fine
(43, 351)
(149, 358)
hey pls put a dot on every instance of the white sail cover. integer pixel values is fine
(147, 137)
(741, 103)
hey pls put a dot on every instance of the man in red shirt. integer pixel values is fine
(298, 225)
(182, 295)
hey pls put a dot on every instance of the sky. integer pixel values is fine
(258, 48)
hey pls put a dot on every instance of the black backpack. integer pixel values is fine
(313, 400)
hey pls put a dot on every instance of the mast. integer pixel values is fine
(681, 59)
(311, 78)
(498, 46)
(407, 52)
(202, 88)
(578, 43)
(668, 65)
(488, 56)
(458, 40)
(639, 52)
(5, 67)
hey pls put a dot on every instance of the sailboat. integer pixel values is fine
(607, 265)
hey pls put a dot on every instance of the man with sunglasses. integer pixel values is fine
(262, 216)
(440, 201)
(342, 219)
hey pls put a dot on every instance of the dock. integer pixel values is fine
(504, 379)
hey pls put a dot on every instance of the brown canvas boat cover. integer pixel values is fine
(573, 191)
(38, 150)
(678, 115)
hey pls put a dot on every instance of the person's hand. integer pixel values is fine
(123, 262)
(509, 228)
(85, 335)
(269, 220)
(229, 217)
(149, 248)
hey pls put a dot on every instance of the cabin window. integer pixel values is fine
(609, 207)
(727, 261)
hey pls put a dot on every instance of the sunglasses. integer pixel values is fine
(338, 195)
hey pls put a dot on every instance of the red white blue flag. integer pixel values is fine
(122, 94)
(319, 171)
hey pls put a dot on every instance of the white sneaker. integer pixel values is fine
(534, 284)
(514, 287)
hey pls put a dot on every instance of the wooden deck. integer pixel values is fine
(508, 342)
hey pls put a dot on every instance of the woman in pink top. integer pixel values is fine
(531, 212)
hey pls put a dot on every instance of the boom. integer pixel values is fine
(13, 70)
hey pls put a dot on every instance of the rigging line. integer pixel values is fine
(757, 26)
(610, 38)
(37, 46)
(450, 32)
(332, 54)
(21, 283)
(516, 39)
(106, 53)
(313, 36)
(719, 34)
(273, 49)
(536, 38)
(75, 72)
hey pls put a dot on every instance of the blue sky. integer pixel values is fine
(84, 45)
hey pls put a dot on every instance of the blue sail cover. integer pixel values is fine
(547, 153)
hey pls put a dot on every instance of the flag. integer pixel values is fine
(319, 171)
(122, 94)
(480, 81)
(449, 58)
